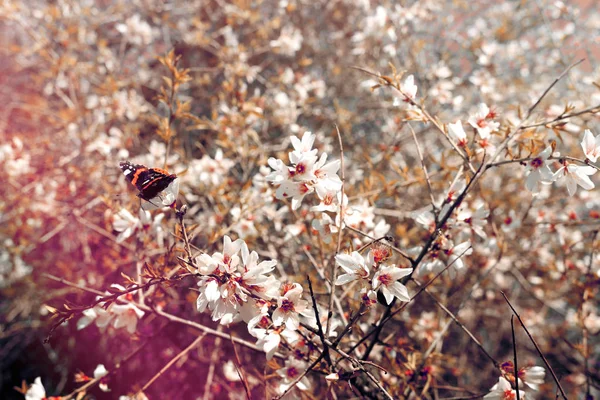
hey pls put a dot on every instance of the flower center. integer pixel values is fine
(536, 163)
(287, 305)
(292, 372)
(385, 279)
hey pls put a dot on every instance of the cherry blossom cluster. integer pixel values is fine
(385, 278)
(119, 314)
(235, 286)
(572, 173)
(307, 173)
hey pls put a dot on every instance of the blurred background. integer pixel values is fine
(80, 84)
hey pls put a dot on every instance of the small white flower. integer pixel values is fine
(533, 376)
(511, 222)
(303, 146)
(136, 31)
(457, 133)
(591, 145)
(482, 122)
(454, 255)
(125, 223)
(36, 391)
(576, 175)
(408, 88)
(386, 280)
(166, 198)
(354, 265)
(289, 306)
(503, 391)
(290, 372)
(100, 372)
(539, 171)
(127, 316)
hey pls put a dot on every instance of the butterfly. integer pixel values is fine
(149, 181)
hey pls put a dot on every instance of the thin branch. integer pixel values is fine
(423, 166)
(180, 214)
(319, 326)
(238, 368)
(374, 240)
(415, 263)
(562, 392)
(299, 378)
(510, 137)
(334, 268)
(171, 362)
(512, 327)
(559, 158)
(170, 317)
(359, 365)
(534, 105)
(211, 369)
(561, 117)
(386, 81)
(464, 328)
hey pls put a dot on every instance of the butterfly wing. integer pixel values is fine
(149, 181)
(154, 181)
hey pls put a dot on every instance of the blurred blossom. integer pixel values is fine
(12, 266)
(289, 41)
(126, 224)
(290, 372)
(503, 391)
(15, 158)
(483, 121)
(539, 171)
(591, 146)
(136, 31)
(119, 315)
(105, 144)
(129, 104)
(209, 171)
(575, 175)
(37, 391)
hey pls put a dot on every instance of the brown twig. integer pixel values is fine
(591, 110)
(510, 137)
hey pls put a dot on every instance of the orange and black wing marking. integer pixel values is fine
(149, 181)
